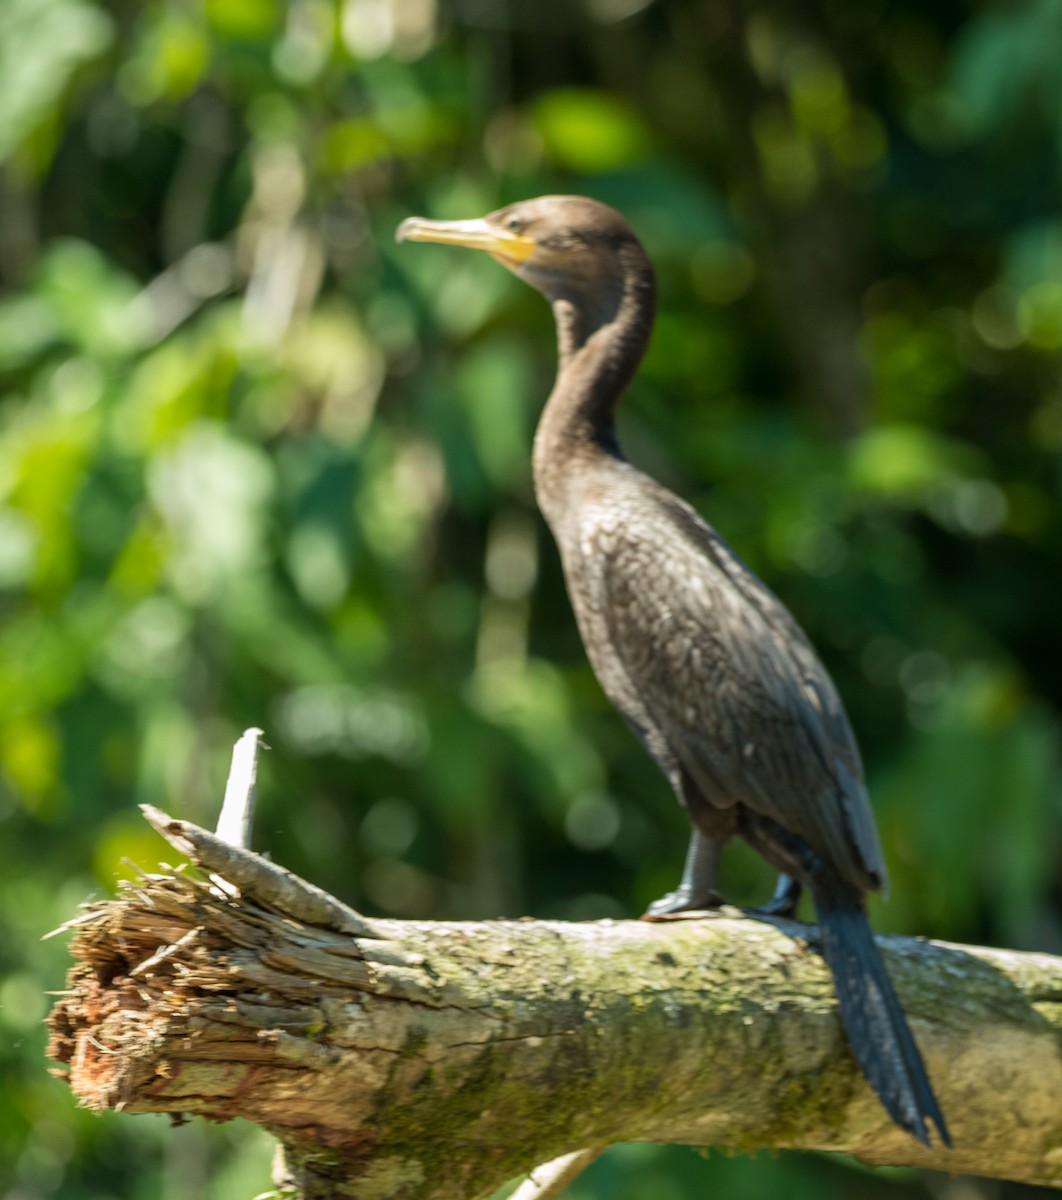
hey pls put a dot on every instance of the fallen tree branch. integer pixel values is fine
(411, 1060)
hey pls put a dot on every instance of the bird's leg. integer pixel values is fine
(784, 901)
(696, 889)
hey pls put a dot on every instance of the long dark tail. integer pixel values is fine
(873, 1019)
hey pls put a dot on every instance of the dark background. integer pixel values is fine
(261, 466)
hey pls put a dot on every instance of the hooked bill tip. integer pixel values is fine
(476, 234)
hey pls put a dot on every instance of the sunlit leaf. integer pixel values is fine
(42, 43)
(903, 461)
(586, 130)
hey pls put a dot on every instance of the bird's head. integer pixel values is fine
(570, 248)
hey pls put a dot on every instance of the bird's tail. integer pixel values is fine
(873, 1019)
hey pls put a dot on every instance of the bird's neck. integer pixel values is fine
(600, 345)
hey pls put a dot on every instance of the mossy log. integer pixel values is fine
(413, 1060)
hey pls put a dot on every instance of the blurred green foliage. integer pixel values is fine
(260, 466)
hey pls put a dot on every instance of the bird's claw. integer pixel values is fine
(681, 900)
(783, 903)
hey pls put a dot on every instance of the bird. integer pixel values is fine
(703, 661)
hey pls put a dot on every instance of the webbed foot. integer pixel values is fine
(682, 899)
(784, 901)
(695, 892)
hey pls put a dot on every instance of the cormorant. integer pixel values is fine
(704, 662)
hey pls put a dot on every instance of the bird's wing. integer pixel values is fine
(730, 683)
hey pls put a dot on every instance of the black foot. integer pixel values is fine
(681, 900)
(784, 901)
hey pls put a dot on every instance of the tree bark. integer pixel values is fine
(414, 1060)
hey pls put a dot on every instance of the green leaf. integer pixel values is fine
(42, 44)
(588, 131)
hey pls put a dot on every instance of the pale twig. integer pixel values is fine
(237, 810)
(551, 1178)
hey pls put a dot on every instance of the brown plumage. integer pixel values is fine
(703, 661)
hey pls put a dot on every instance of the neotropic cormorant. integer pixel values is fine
(704, 662)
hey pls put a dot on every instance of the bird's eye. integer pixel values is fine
(514, 224)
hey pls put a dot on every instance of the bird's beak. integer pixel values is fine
(478, 234)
